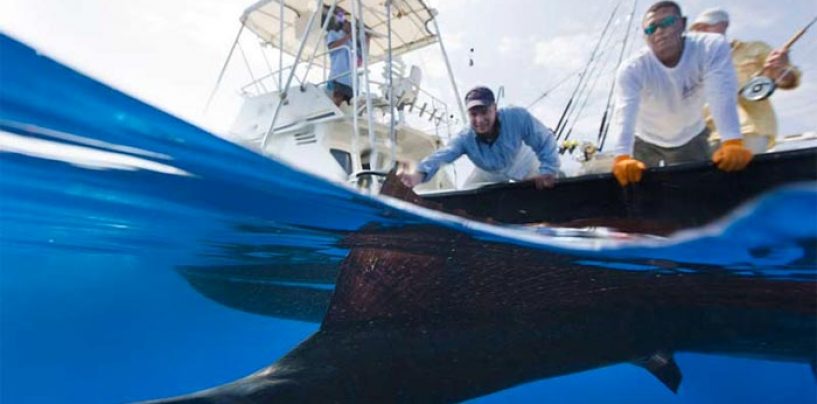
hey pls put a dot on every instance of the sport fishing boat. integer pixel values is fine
(289, 114)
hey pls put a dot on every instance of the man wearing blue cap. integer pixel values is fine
(508, 144)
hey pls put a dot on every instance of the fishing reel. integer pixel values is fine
(587, 151)
(568, 146)
(579, 151)
(758, 88)
(761, 87)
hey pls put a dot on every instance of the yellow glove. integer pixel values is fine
(732, 156)
(627, 169)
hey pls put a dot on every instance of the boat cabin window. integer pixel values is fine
(343, 158)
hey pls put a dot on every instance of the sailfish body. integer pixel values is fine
(425, 313)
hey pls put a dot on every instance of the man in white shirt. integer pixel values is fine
(660, 97)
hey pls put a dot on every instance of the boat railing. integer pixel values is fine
(260, 85)
(425, 104)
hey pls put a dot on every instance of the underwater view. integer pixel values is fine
(143, 258)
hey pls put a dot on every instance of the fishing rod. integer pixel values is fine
(586, 92)
(563, 80)
(584, 78)
(559, 126)
(555, 86)
(761, 87)
(605, 122)
(586, 100)
(583, 97)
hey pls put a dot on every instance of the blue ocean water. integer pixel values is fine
(105, 202)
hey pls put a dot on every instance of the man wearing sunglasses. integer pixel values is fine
(660, 94)
(757, 119)
(505, 144)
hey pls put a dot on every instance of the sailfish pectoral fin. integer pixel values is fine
(662, 365)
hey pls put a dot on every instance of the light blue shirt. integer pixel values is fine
(339, 59)
(516, 126)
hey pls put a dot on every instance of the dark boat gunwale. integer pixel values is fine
(675, 197)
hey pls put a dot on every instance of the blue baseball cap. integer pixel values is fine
(479, 96)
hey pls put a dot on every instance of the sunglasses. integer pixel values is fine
(665, 22)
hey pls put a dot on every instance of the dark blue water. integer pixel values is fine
(106, 201)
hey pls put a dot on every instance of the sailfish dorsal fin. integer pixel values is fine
(662, 365)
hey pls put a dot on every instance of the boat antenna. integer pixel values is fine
(605, 119)
(582, 78)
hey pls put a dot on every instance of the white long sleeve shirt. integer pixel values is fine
(664, 105)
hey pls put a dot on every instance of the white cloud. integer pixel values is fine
(435, 68)
(509, 44)
(563, 52)
(453, 41)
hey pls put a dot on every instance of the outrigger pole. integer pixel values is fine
(223, 69)
(355, 90)
(285, 90)
(463, 116)
(281, 45)
(392, 137)
(361, 28)
(324, 27)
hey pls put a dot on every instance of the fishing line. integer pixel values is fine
(559, 126)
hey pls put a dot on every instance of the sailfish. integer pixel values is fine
(426, 313)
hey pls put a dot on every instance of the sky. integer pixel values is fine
(168, 53)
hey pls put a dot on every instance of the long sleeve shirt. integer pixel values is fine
(756, 117)
(663, 105)
(340, 65)
(516, 126)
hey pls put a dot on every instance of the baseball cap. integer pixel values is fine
(712, 16)
(479, 96)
